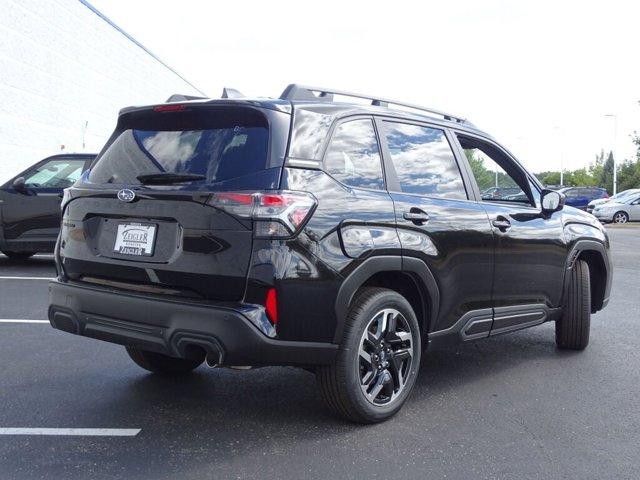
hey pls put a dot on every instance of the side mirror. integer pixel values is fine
(552, 201)
(18, 184)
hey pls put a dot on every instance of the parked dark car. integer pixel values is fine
(30, 204)
(579, 197)
(338, 237)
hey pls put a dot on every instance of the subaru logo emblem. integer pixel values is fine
(126, 195)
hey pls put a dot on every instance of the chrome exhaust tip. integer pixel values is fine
(213, 359)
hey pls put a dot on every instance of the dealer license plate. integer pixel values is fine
(135, 239)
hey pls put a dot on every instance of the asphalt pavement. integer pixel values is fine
(509, 407)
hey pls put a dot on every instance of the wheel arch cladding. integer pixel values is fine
(388, 272)
(595, 255)
(597, 277)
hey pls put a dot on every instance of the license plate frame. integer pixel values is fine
(135, 239)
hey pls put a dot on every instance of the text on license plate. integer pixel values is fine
(135, 239)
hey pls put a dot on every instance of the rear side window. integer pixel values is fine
(424, 161)
(573, 193)
(353, 155)
(219, 144)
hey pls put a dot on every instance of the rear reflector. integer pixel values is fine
(271, 305)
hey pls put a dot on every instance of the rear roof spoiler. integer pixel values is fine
(226, 93)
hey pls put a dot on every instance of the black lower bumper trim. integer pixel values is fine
(35, 245)
(172, 327)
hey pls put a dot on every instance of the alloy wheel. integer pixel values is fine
(620, 217)
(385, 356)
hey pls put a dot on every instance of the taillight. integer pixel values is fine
(276, 214)
(271, 305)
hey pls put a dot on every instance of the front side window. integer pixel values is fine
(60, 173)
(424, 161)
(353, 156)
(498, 178)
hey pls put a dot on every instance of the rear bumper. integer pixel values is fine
(171, 327)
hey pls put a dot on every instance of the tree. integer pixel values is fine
(582, 178)
(629, 171)
(552, 178)
(605, 177)
(484, 177)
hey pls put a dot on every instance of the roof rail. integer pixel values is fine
(178, 97)
(306, 93)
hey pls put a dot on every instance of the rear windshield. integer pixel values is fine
(220, 144)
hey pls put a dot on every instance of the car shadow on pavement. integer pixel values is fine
(216, 420)
(273, 397)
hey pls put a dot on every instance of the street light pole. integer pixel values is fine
(615, 151)
(561, 139)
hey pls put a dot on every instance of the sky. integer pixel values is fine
(539, 76)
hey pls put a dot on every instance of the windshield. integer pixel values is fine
(225, 150)
(624, 195)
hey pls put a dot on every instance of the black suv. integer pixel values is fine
(341, 237)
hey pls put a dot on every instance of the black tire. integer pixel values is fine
(620, 217)
(572, 330)
(163, 364)
(19, 255)
(340, 383)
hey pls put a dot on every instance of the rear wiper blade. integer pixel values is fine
(168, 178)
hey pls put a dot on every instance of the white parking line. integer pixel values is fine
(25, 278)
(77, 432)
(20, 320)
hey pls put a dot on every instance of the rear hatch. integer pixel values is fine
(142, 218)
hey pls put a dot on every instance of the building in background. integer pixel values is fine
(65, 71)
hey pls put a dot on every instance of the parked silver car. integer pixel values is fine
(619, 211)
(617, 197)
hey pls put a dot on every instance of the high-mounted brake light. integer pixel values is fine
(276, 214)
(171, 107)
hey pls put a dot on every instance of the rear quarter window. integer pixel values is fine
(353, 155)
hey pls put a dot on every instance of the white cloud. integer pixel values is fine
(516, 69)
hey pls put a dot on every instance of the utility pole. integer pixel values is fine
(561, 139)
(84, 131)
(615, 151)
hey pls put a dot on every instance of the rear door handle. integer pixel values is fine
(417, 217)
(501, 223)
